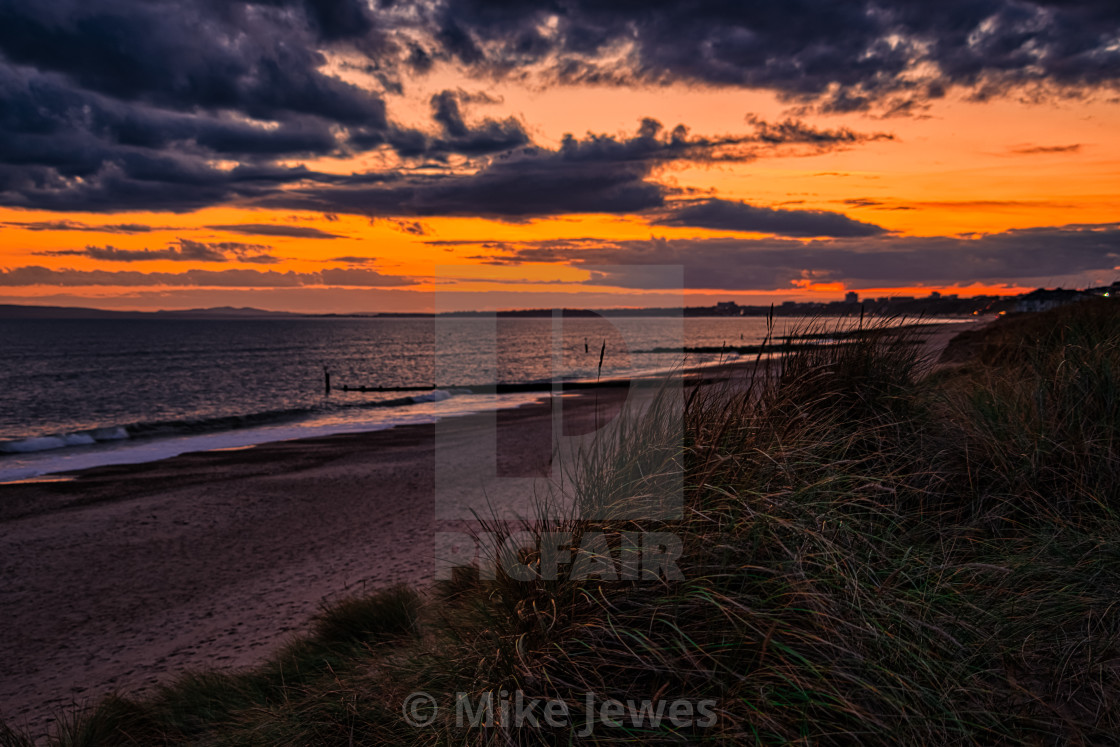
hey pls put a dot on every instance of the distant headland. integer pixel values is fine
(935, 304)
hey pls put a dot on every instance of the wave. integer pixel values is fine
(436, 395)
(195, 426)
(63, 440)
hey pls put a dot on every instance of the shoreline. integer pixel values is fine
(79, 451)
(127, 575)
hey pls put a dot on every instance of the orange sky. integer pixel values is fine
(958, 168)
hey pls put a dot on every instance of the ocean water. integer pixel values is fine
(81, 393)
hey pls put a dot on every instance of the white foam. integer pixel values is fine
(61, 441)
(31, 464)
(436, 395)
(109, 434)
(78, 439)
(31, 445)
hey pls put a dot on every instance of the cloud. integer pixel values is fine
(775, 263)
(67, 148)
(985, 205)
(124, 105)
(353, 260)
(200, 55)
(725, 215)
(72, 225)
(185, 251)
(1031, 150)
(271, 229)
(489, 136)
(521, 186)
(792, 130)
(414, 227)
(359, 278)
(1036, 255)
(127, 105)
(839, 56)
(594, 174)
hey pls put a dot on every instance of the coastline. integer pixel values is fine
(127, 575)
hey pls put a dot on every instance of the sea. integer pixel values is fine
(81, 393)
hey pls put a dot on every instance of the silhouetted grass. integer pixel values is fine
(871, 555)
(1041, 415)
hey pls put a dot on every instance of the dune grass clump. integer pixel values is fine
(868, 554)
(384, 616)
(1040, 415)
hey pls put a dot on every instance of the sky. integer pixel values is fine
(383, 155)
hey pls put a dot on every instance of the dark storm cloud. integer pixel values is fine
(767, 264)
(139, 181)
(65, 148)
(184, 251)
(361, 278)
(844, 56)
(118, 105)
(340, 19)
(271, 229)
(490, 136)
(114, 105)
(595, 174)
(261, 60)
(519, 187)
(725, 215)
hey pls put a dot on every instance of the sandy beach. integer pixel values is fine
(124, 576)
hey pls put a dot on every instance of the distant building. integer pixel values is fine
(851, 297)
(1105, 291)
(1043, 299)
(727, 307)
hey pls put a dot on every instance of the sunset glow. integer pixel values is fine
(399, 142)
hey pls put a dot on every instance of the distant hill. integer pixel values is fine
(227, 312)
(934, 304)
(15, 311)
